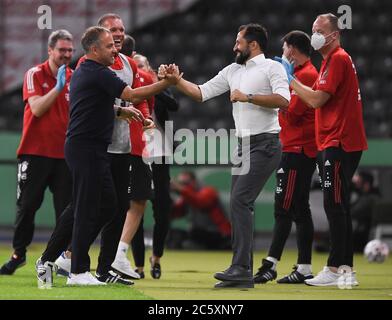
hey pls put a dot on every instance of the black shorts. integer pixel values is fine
(140, 186)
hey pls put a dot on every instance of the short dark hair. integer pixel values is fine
(128, 46)
(57, 35)
(255, 32)
(92, 37)
(299, 40)
(333, 20)
(107, 16)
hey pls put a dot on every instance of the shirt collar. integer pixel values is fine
(256, 60)
(332, 52)
(297, 68)
(47, 70)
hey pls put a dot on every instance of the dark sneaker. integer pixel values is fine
(265, 272)
(140, 273)
(14, 263)
(111, 277)
(295, 277)
(155, 270)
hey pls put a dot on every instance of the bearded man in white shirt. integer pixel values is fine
(258, 89)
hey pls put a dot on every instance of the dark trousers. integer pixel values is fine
(35, 174)
(337, 168)
(293, 180)
(161, 208)
(263, 157)
(111, 232)
(94, 199)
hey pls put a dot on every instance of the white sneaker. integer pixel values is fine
(63, 265)
(324, 278)
(83, 279)
(349, 280)
(123, 266)
(354, 282)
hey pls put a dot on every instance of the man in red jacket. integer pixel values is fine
(294, 173)
(209, 224)
(41, 161)
(340, 138)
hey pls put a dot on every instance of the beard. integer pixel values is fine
(242, 57)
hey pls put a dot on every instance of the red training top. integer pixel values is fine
(206, 201)
(339, 122)
(137, 142)
(44, 136)
(297, 122)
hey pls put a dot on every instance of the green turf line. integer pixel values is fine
(188, 275)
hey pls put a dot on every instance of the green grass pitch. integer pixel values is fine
(188, 275)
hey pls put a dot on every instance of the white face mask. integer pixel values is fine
(318, 40)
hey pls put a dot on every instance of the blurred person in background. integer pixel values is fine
(362, 208)
(209, 226)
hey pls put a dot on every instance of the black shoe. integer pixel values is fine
(155, 271)
(14, 263)
(234, 284)
(112, 277)
(140, 273)
(265, 272)
(295, 277)
(234, 273)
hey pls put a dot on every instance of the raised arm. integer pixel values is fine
(41, 104)
(135, 95)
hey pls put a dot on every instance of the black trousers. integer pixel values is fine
(94, 199)
(111, 232)
(35, 174)
(161, 205)
(337, 168)
(293, 178)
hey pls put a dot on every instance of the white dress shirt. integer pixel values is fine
(258, 76)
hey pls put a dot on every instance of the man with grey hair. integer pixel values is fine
(93, 91)
(40, 154)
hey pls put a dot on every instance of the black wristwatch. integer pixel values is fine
(118, 113)
(250, 97)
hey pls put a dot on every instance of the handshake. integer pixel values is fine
(170, 73)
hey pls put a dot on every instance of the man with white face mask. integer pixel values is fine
(340, 138)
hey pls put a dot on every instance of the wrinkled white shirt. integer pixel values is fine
(258, 76)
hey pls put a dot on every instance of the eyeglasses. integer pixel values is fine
(65, 50)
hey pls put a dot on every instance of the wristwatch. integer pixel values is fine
(250, 97)
(118, 112)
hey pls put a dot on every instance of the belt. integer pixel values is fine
(259, 137)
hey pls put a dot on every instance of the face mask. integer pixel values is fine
(318, 40)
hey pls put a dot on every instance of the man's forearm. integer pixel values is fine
(41, 104)
(190, 89)
(144, 92)
(270, 101)
(314, 99)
